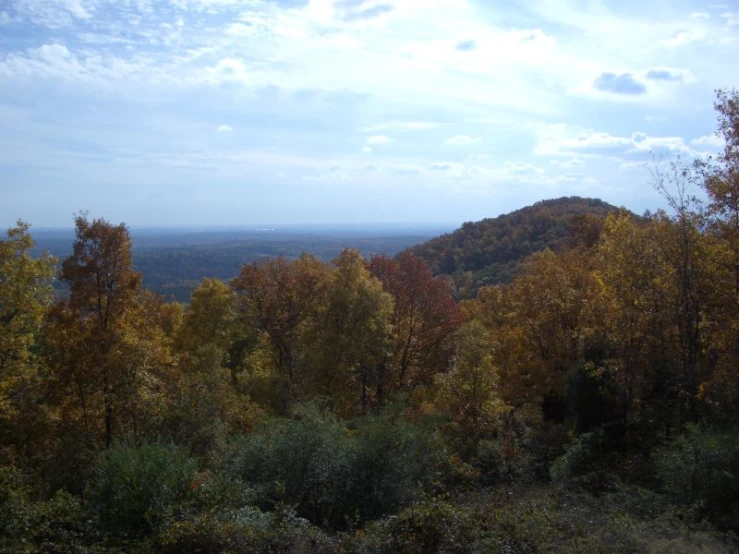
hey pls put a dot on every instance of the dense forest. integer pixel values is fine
(590, 404)
(491, 251)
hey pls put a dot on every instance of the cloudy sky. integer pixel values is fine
(177, 112)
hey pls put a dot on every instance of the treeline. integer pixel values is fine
(174, 262)
(175, 272)
(591, 405)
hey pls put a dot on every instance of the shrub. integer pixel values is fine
(62, 525)
(249, 531)
(135, 488)
(334, 476)
(57, 526)
(580, 457)
(16, 511)
(488, 460)
(701, 468)
(393, 463)
(305, 462)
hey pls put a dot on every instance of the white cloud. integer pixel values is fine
(731, 18)
(55, 14)
(56, 61)
(224, 128)
(560, 139)
(711, 141)
(378, 139)
(563, 140)
(462, 139)
(701, 15)
(631, 166)
(479, 157)
(527, 174)
(6, 18)
(367, 149)
(645, 143)
(682, 38)
(569, 164)
(227, 70)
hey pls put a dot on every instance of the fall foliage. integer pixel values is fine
(356, 406)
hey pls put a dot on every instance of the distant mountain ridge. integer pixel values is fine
(490, 251)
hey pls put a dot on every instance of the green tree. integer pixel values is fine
(214, 322)
(469, 392)
(25, 294)
(349, 336)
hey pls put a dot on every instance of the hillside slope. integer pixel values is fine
(490, 251)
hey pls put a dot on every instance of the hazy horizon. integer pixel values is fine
(206, 112)
(273, 227)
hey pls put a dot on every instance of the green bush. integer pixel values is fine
(701, 468)
(338, 477)
(305, 462)
(135, 488)
(16, 512)
(62, 525)
(536, 519)
(393, 463)
(488, 460)
(249, 531)
(581, 457)
(58, 526)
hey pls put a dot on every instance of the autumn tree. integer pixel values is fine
(539, 325)
(280, 297)
(106, 349)
(469, 391)
(211, 346)
(633, 320)
(213, 327)
(348, 337)
(25, 293)
(720, 181)
(424, 318)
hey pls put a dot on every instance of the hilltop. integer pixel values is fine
(490, 251)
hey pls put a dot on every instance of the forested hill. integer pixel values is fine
(490, 251)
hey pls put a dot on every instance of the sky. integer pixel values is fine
(239, 112)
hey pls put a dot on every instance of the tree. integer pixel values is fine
(720, 180)
(633, 322)
(108, 346)
(211, 344)
(424, 318)
(469, 392)
(214, 323)
(25, 294)
(539, 326)
(280, 297)
(349, 336)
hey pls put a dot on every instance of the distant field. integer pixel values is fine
(174, 261)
